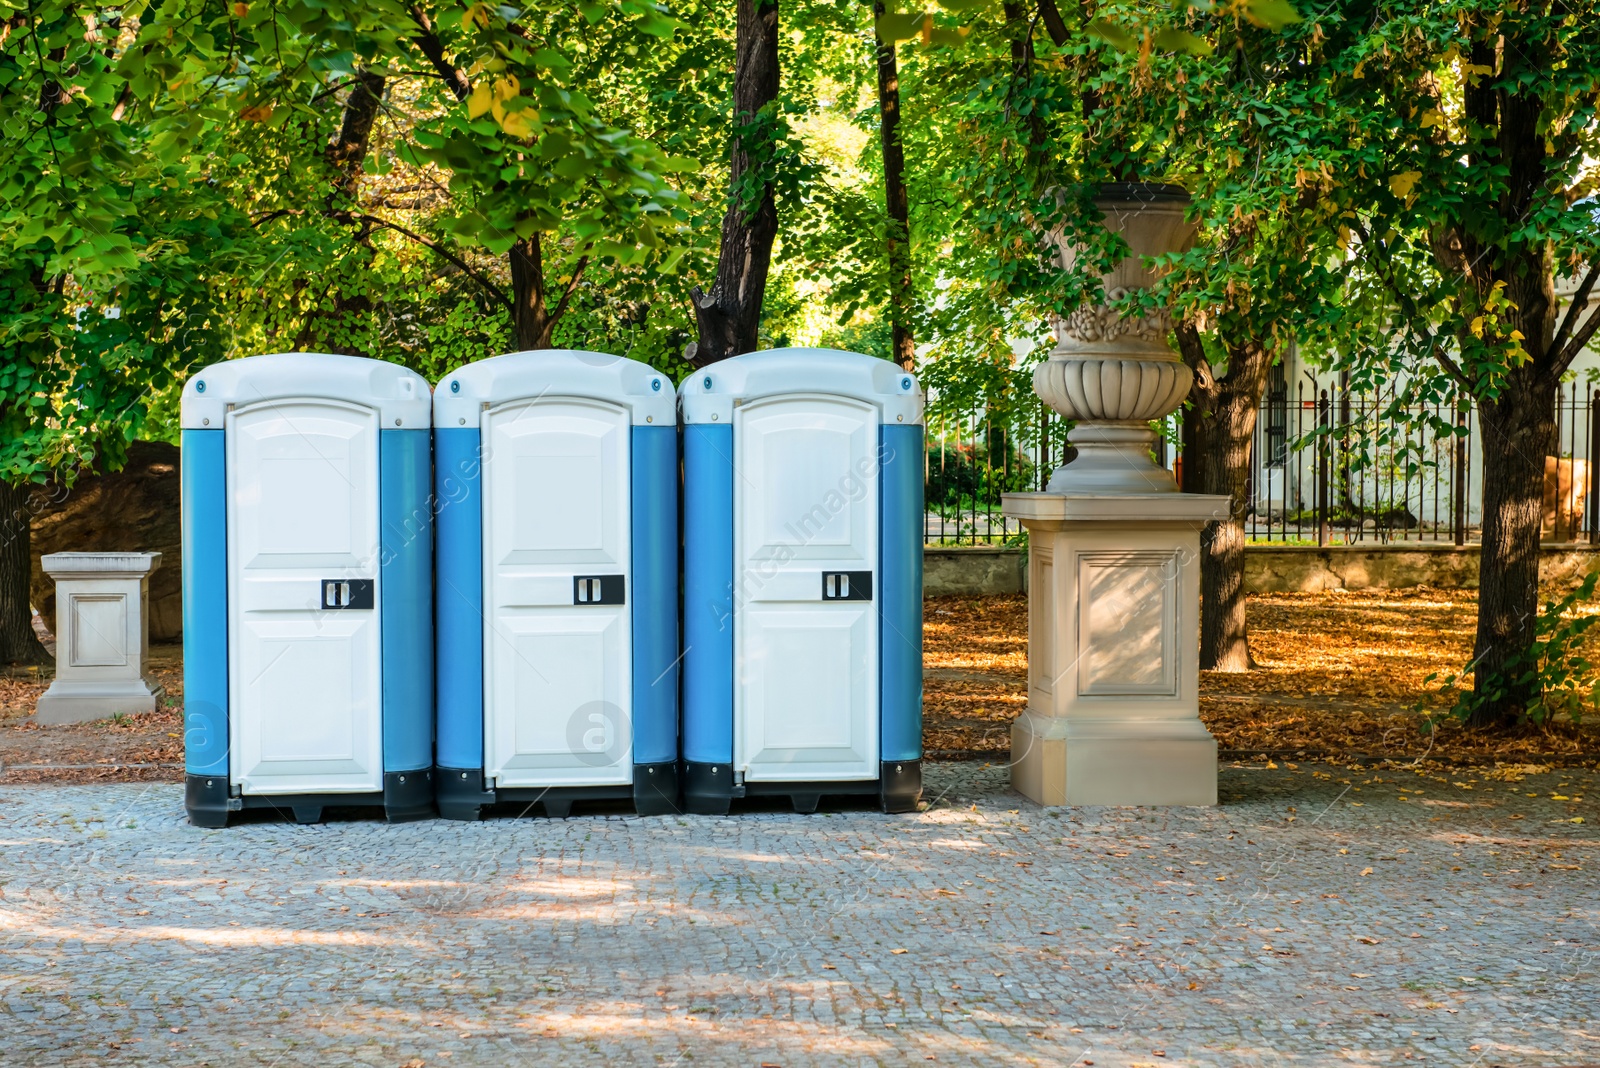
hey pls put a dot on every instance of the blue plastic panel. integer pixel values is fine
(458, 523)
(708, 593)
(655, 594)
(900, 530)
(406, 516)
(205, 602)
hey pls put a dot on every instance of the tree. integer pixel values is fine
(537, 172)
(1473, 135)
(729, 315)
(103, 301)
(897, 207)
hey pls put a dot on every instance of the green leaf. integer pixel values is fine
(1113, 35)
(900, 25)
(1271, 14)
(1182, 41)
(670, 264)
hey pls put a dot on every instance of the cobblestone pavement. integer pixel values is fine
(1314, 919)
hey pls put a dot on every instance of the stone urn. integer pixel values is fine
(1114, 373)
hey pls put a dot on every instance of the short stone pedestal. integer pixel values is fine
(102, 629)
(1113, 714)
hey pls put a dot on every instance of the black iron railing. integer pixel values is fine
(975, 456)
(1328, 466)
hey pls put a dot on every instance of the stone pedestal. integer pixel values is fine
(1113, 714)
(102, 636)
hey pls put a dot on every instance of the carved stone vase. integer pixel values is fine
(1114, 373)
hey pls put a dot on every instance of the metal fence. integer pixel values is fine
(974, 456)
(1328, 467)
(1340, 467)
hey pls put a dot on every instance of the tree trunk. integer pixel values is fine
(1218, 431)
(347, 152)
(897, 204)
(1519, 431)
(533, 319)
(18, 643)
(729, 317)
(531, 325)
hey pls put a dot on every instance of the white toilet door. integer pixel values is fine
(557, 677)
(305, 684)
(806, 632)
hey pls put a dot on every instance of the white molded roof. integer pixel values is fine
(399, 394)
(519, 376)
(708, 395)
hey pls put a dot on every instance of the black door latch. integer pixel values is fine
(847, 585)
(599, 589)
(347, 593)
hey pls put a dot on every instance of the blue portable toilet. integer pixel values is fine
(556, 476)
(802, 607)
(307, 588)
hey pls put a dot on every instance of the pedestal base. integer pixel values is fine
(1113, 762)
(1113, 650)
(80, 702)
(102, 632)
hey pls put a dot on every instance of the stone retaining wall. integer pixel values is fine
(973, 570)
(1306, 569)
(989, 570)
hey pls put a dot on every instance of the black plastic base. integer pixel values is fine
(655, 789)
(709, 789)
(406, 796)
(902, 785)
(462, 794)
(206, 799)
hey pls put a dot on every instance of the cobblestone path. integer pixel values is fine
(1310, 920)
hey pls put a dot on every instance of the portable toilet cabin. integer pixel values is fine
(307, 587)
(557, 480)
(802, 532)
